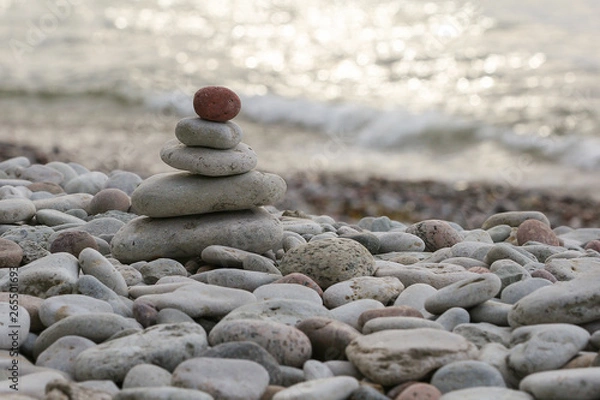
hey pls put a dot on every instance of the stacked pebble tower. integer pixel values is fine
(216, 199)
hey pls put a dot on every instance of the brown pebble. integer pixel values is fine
(109, 199)
(301, 279)
(582, 360)
(435, 233)
(328, 337)
(479, 270)
(32, 304)
(11, 254)
(144, 313)
(593, 245)
(542, 273)
(73, 242)
(536, 231)
(391, 311)
(396, 390)
(49, 187)
(217, 103)
(420, 391)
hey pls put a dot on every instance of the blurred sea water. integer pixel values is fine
(451, 89)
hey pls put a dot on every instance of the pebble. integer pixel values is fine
(328, 337)
(196, 132)
(350, 313)
(499, 233)
(486, 393)
(509, 272)
(16, 210)
(573, 302)
(287, 344)
(161, 267)
(247, 350)
(95, 264)
(314, 369)
(419, 391)
(39, 173)
(161, 393)
(287, 291)
(11, 254)
(544, 347)
(236, 278)
(301, 279)
(329, 261)
(109, 199)
(50, 217)
(216, 103)
(567, 269)
(384, 289)
(514, 218)
(65, 203)
(147, 375)
(90, 182)
(415, 296)
(123, 180)
(49, 276)
(385, 323)
(437, 275)
(465, 374)
(61, 354)
(536, 231)
(576, 383)
(483, 333)
(209, 162)
(200, 300)
(391, 311)
(391, 357)
(367, 239)
(174, 194)
(225, 256)
(72, 242)
(90, 286)
(165, 345)
(222, 378)
(465, 293)
(367, 393)
(185, 237)
(492, 311)
(453, 317)
(435, 234)
(518, 290)
(399, 241)
(56, 308)
(333, 388)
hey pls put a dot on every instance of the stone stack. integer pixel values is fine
(216, 199)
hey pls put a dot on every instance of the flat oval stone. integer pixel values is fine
(483, 333)
(72, 242)
(65, 203)
(391, 357)
(224, 256)
(48, 276)
(16, 210)
(391, 311)
(437, 275)
(314, 369)
(544, 347)
(61, 354)
(328, 337)
(222, 378)
(50, 217)
(386, 323)
(95, 264)
(576, 383)
(415, 296)
(109, 199)
(216, 103)
(209, 162)
(465, 293)
(123, 180)
(175, 194)
(164, 345)
(147, 375)
(465, 374)
(185, 237)
(161, 393)
(39, 173)
(492, 311)
(350, 313)
(479, 393)
(435, 234)
(518, 290)
(513, 218)
(384, 289)
(286, 311)
(287, 291)
(200, 300)
(334, 388)
(90, 286)
(236, 278)
(96, 327)
(399, 241)
(11, 254)
(288, 345)
(161, 267)
(246, 350)
(453, 317)
(572, 302)
(200, 132)
(56, 308)
(329, 261)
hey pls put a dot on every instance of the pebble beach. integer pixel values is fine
(212, 279)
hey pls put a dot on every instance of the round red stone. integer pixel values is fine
(217, 103)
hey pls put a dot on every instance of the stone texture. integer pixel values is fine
(165, 345)
(465, 374)
(334, 388)
(11, 254)
(185, 237)
(72, 242)
(16, 210)
(394, 356)
(384, 289)
(513, 218)
(465, 293)
(209, 162)
(329, 261)
(61, 354)
(200, 132)
(146, 375)
(435, 233)
(576, 383)
(216, 103)
(55, 308)
(222, 378)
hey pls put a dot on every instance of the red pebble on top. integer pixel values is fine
(216, 103)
